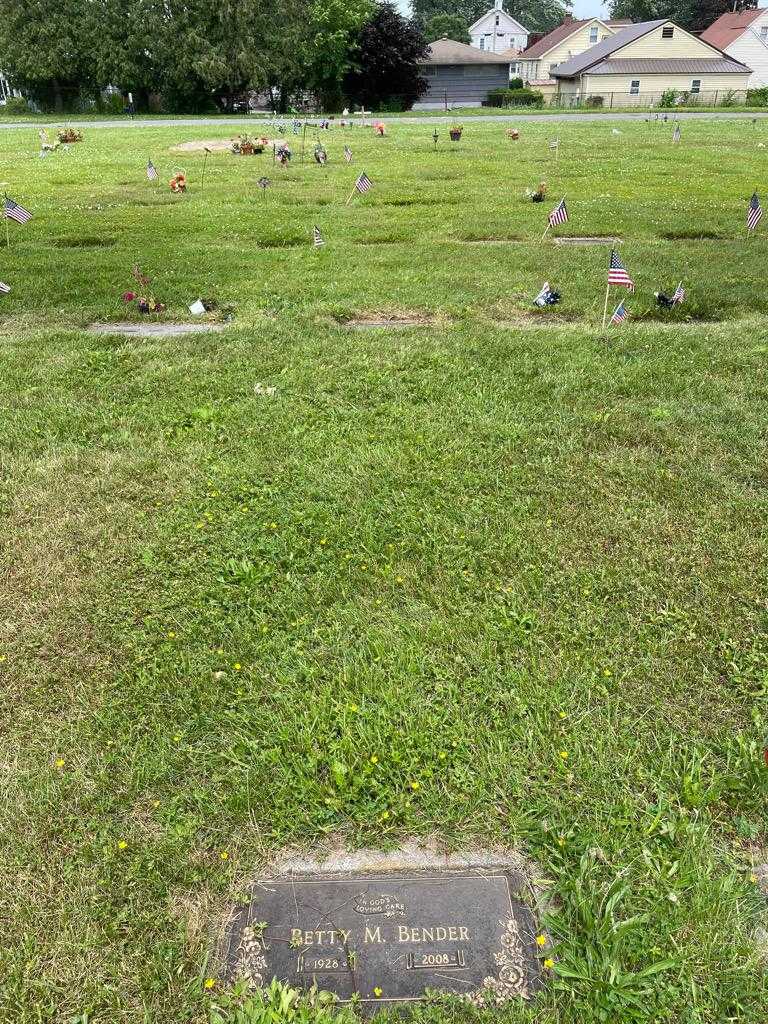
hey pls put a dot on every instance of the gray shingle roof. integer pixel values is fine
(576, 65)
(669, 66)
(448, 51)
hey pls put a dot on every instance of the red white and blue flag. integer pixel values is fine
(679, 295)
(617, 272)
(559, 215)
(16, 212)
(620, 314)
(754, 212)
(363, 183)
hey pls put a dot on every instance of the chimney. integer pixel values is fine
(498, 5)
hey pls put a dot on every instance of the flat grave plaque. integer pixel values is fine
(388, 938)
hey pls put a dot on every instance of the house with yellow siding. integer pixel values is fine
(567, 40)
(636, 65)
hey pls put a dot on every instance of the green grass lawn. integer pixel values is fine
(503, 555)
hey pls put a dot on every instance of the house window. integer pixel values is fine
(430, 70)
(668, 32)
(764, 32)
(634, 87)
(497, 21)
(593, 34)
(482, 42)
(696, 85)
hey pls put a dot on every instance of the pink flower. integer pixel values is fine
(128, 296)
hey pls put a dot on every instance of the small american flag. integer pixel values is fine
(754, 212)
(363, 183)
(676, 133)
(559, 215)
(317, 237)
(541, 298)
(296, 126)
(263, 183)
(679, 295)
(16, 212)
(151, 171)
(620, 314)
(4, 288)
(348, 154)
(554, 144)
(617, 273)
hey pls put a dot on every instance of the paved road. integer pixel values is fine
(181, 122)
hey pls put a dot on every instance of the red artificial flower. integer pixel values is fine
(128, 296)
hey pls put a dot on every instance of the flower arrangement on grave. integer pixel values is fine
(244, 145)
(284, 154)
(379, 128)
(321, 156)
(178, 183)
(455, 132)
(144, 300)
(69, 135)
(513, 134)
(539, 194)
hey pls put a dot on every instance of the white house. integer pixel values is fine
(497, 31)
(743, 36)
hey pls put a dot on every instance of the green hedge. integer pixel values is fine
(515, 98)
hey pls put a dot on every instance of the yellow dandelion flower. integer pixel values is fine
(415, 785)
(753, 879)
(237, 666)
(323, 541)
(442, 755)
(155, 803)
(209, 983)
(224, 855)
(373, 759)
(60, 762)
(564, 755)
(607, 672)
(122, 845)
(541, 940)
(549, 963)
(378, 992)
(562, 714)
(176, 738)
(353, 707)
(385, 815)
(171, 634)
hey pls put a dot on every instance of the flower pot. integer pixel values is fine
(455, 136)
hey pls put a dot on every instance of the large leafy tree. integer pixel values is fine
(536, 15)
(452, 26)
(385, 70)
(694, 15)
(47, 46)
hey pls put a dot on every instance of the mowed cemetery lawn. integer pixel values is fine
(495, 578)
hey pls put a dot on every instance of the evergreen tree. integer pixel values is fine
(453, 26)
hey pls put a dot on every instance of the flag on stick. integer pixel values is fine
(679, 296)
(348, 154)
(542, 297)
(317, 238)
(151, 171)
(617, 273)
(754, 212)
(363, 184)
(676, 133)
(4, 288)
(15, 212)
(559, 215)
(554, 143)
(620, 314)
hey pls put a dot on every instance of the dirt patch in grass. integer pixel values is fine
(587, 240)
(411, 201)
(381, 241)
(83, 243)
(691, 236)
(489, 240)
(200, 145)
(375, 318)
(285, 242)
(533, 318)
